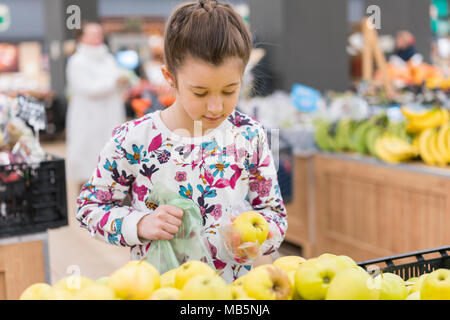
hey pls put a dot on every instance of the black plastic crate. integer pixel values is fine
(437, 258)
(32, 197)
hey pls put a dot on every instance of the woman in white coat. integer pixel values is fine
(96, 107)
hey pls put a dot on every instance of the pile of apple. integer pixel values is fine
(328, 276)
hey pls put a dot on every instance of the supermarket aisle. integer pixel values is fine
(72, 247)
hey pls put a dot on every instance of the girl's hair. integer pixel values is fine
(208, 30)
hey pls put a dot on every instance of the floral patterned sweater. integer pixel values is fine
(228, 165)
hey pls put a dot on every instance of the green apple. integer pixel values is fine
(38, 291)
(436, 285)
(313, 277)
(267, 282)
(166, 293)
(206, 287)
(289, 263)
(392, 287)
(352, 284)
(191, 269)
(251, 227)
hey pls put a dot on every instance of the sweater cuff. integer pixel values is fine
(129, 227)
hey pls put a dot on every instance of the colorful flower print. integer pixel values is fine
(180, 176)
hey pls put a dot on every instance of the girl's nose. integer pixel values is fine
(215, 106)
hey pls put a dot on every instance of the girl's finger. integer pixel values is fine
(170, 228)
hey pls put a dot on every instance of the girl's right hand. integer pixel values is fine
(162, 224)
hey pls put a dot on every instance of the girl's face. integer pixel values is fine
(206, 93)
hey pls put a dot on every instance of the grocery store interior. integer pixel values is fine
(354, 93)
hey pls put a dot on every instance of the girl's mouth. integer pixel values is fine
(212, 119)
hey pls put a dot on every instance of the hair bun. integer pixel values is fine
(208, 5)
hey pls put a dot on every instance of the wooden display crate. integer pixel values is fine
(367, 209)
(21, 265)
(300, 209)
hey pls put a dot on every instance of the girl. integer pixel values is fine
(200, 147)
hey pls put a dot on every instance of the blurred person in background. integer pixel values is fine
(95, 84)
(405, 49)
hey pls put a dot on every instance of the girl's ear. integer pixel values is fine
(168, 76)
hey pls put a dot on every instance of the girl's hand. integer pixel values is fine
(162, 224)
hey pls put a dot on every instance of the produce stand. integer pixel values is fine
(23, 261)
(32, 200)
(365, 208)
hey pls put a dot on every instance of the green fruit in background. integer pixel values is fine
(323, 139)
(360, 136)
(343, 131)
(371, 138)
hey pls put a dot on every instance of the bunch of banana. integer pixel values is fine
(420, 121)
(393, 149)
(357, 138)
(324, 135)
(343, 131)
(434, 145)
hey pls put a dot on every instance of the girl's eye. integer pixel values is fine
(200, 94)
(229, 93)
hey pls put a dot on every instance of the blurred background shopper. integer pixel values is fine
(96, 107)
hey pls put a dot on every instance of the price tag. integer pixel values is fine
(32, 111)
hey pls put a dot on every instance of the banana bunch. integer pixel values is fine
(323, 134)
(434, 145)
(393, 149)
(420, 121)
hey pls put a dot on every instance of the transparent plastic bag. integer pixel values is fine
(188, 243)
(238, 250)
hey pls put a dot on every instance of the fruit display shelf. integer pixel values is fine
(366, 208)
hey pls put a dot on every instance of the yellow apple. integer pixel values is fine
(417, 283)
(436, 285)
(166, 293)
(102, 280)
(137, 280)
(313, 277)
(238, 293)
(206, 287)
(69, 286)
(391, 286)
(267, 282)
(251, 227)
(239, 281)
(191, 269)
(352, 284)
(413, 296)
(38, 291)
(168, 278)
(95, 291)
(346, 262)
(289, 263)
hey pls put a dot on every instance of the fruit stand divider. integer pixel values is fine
(365, 208)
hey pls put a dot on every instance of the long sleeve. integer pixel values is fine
(264, 192)
(99, 203)
(82, 80)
